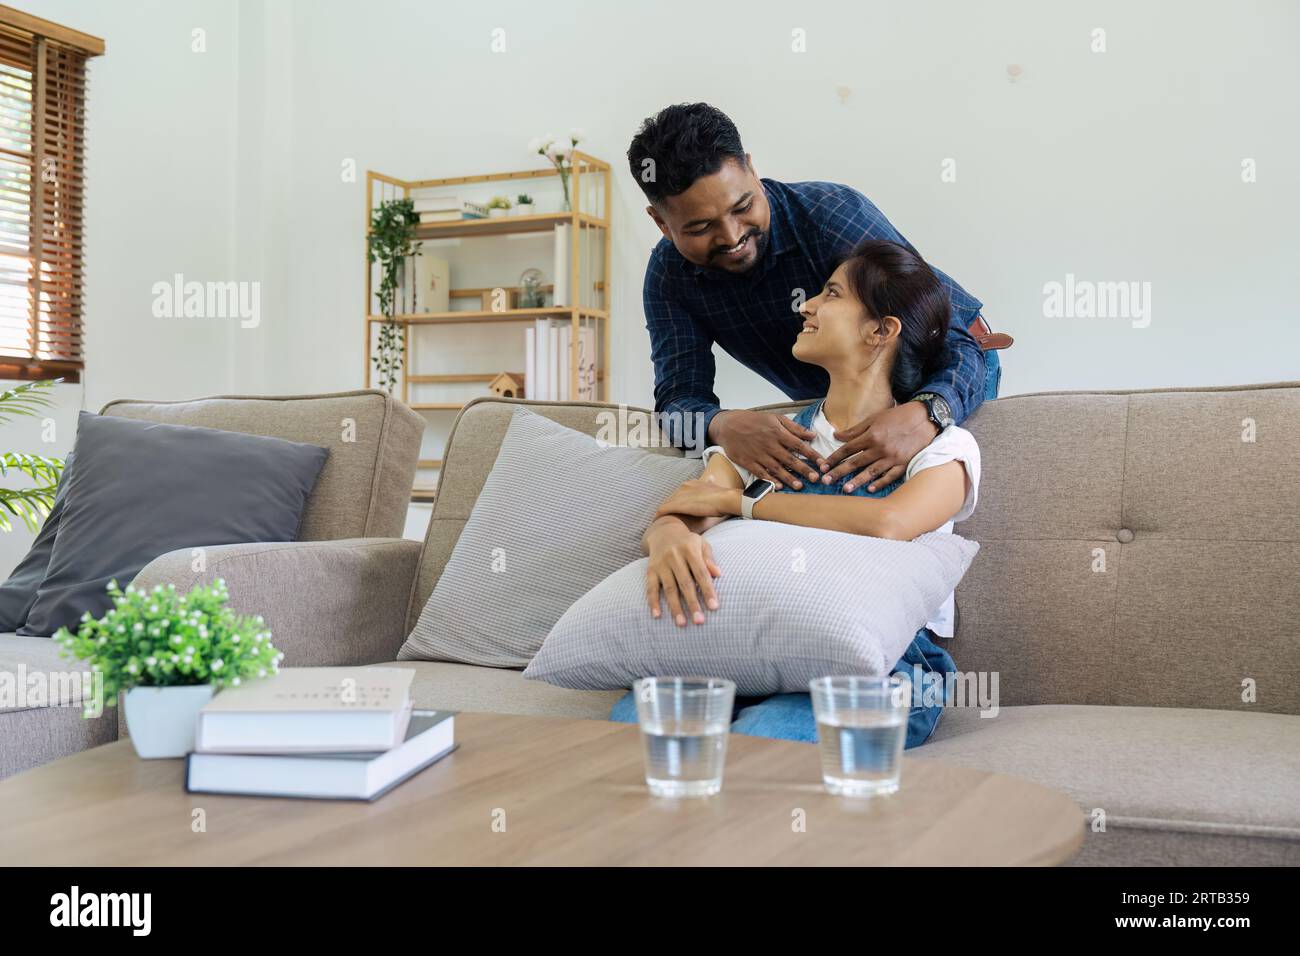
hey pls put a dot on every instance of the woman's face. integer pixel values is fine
(833, 326)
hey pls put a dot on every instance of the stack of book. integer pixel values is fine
(447, 208)
(340, 733)
(547, 358)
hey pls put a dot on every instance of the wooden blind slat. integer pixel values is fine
(43, 94)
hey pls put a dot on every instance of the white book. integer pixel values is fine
(586, 364)
(430, 736)
(309, 710)
(553, 375)
(566, 333)
(542, 392)
(530, 362)
(560, 282)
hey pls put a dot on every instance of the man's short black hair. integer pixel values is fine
(679, 145)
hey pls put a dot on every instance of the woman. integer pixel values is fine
(879, 328)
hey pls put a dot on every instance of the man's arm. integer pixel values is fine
(852, 217)
(682, 352)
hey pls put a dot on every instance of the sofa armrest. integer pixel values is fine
(326, 603)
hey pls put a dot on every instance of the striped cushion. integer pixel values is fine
(794, 603)
(559, 511)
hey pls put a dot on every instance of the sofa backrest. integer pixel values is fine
(1137, 548)
(364, 489)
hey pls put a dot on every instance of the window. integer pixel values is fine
(42, 184)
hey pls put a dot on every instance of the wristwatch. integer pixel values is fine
(940, 413)
(752, 494)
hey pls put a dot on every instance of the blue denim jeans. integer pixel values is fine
(992, 374)
(790, 716)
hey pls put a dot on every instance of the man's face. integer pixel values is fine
(721, 222)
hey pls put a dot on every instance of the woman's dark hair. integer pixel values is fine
(682, 143)
(892, 279)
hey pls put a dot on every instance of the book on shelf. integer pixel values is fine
(339, 775)
(548, 355)
(447, 205)
(307, 710)
(432, 284)
(560, 284)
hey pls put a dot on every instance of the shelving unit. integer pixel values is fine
(588, 282)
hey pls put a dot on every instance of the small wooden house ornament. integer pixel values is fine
(508, 385)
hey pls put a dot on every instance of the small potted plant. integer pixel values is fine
(524, 205)
(170, 652)
(560, 155)
(498, 206)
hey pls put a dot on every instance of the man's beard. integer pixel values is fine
(760, 244)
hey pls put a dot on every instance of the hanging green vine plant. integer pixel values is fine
(392, 231)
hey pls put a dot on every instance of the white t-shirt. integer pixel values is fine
(952, 444)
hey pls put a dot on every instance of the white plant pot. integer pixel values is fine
(495, 213)
(523, 209)
(161, 720)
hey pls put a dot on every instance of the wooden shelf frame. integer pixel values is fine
(581, 220)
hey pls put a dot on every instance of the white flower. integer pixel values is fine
(176, 638)
(138, 629)
(131, 668)
(235, 682)
(235, 639)
(261, 672)
(189, 660)
(575, 135)
(121, 629)
(218, 664)
(150, 661)
(190, 649)
(203, 631)
(534, 145)
(102, 641)
(153, 608)
(175, 658)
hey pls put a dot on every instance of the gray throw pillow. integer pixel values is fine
(794, 603)
(18, 593)
(558, 512)
(141, 489)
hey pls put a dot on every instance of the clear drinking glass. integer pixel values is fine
(861, 729)
(684, 726)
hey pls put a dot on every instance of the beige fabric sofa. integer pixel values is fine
(1137, 582)
(351, 532)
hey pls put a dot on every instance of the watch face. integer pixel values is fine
(940, 410)
(758, 487)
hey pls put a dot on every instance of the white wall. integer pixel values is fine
(1114, 166)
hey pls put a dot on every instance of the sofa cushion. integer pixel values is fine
(501, 690)
(1183, 780)
(141, 489)
(558, 513)
(374, 443)
(851, 607)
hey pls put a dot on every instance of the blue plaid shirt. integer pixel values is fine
(689, 307)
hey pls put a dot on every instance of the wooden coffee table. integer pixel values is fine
(539, 791)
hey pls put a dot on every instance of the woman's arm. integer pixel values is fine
(927, 501)
(719, 471)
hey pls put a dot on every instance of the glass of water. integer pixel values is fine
(861, 729)
(684, 726)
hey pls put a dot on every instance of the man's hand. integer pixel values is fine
(879, 447)
(767, 445)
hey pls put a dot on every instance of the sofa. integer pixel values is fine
(1135, 595)
(351, 532)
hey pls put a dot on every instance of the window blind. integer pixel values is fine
(42, 189)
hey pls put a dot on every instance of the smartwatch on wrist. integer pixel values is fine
(938, 410)
(752, 494)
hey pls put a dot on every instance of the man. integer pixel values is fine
(738, 258)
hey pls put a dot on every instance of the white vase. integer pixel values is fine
(523, 209)
(495, 213)
(161, 720)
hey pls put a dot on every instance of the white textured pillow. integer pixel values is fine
(558, 512)
(794, 603)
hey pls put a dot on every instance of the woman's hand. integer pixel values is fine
(702, 498)
(680, 562)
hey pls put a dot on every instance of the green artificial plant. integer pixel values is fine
(34, 503)
(391, 241)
